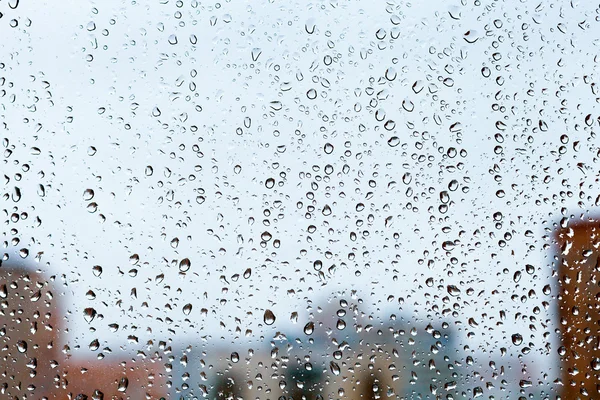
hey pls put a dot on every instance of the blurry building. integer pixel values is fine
(578, 261)
(399, 359)
(32, 362)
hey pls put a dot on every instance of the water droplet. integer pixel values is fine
(89, 314)
(266, 236)
(123, 384)
(310, 26)
(309, 328)
(393, 141)
(235, 357)
(97, 270)
(22, 346)
(311, 94)
(92, 207)
(517, 339)
(389, 125)
(184, 265)
(328, 148)
(517, 276)
(471, 36)
(408, 105)
(187, 309)
(453, 290)
(94, 345)
(334, 368)
(390, 74)
(448, 245)
(256, 52)
(16, 195)
(269, 317)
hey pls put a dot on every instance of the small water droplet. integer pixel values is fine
(309, 328)
(310, 26)
(22, 346)
(256, 52)
(517, 339)
(123, 384)
(269, 317)
(89, 314)
(393, 141)
(453, 290)
(184, 265)
(334, 368)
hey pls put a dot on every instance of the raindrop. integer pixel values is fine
(408, 105)
(187, 309)
(471, 36)
(448, 245)
(89, 314)
(22, 346)
(123, 383)
(517, 339)
(256, 52)
(88, 194)
(517, 276)
(389, 125)
(269, 317)
(393, 141)
(390, 74)
(310, 26)
(309, 328)
(184, 265)
(453, 290)
(334, 368)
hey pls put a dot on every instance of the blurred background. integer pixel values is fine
(334, 199)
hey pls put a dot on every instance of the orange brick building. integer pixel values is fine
(578, 258)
